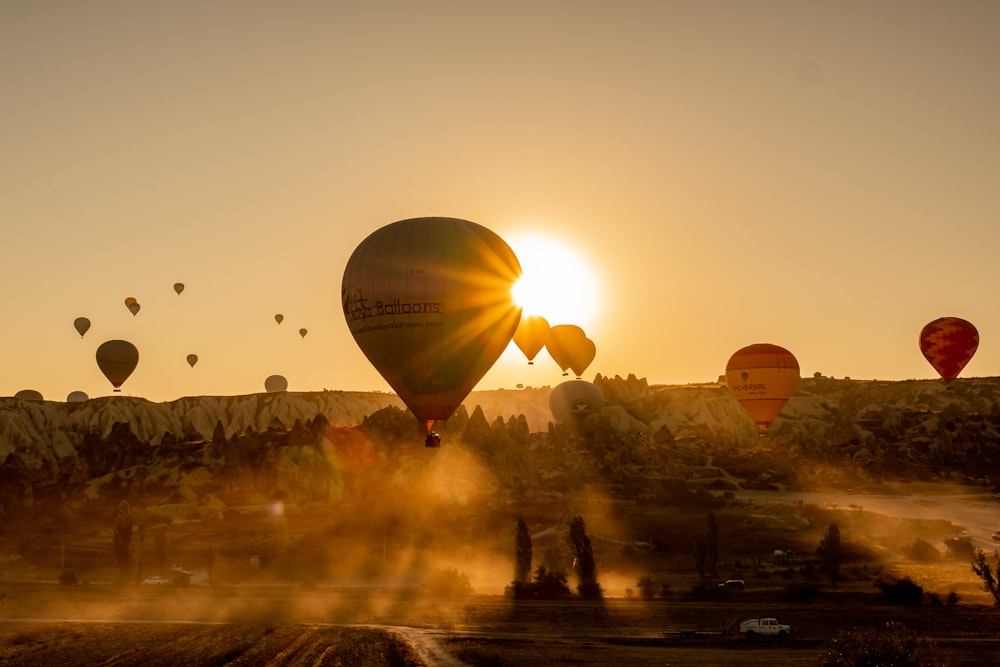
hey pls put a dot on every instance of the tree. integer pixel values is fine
(522, 555)
(712, 544)
(987, 573)
(122, 539)
(700, 556)
(831, 552)
(583, 560)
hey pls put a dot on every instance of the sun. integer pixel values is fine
(556, 282)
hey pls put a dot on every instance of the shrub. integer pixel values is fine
(921, 550)
(449, 583)
(647, 587)
(900, 591)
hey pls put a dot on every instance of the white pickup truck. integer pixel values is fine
(764, 625)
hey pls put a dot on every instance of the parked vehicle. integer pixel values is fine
(733, 584)
(764, 625)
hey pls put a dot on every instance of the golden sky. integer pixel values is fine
(818, 175)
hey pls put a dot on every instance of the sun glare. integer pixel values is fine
(556, 282)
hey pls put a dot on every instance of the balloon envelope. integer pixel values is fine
(192, 359)
(575, 400)
(569, 346)
(77, 397)
(762, 377)
(531, 335)
(82, 325)
(428, 301)
(278, 318)
(29, 395)
(948, 343)
(275, 383)
(117, 359)
(134, 307)
(178, 287)
(303, 332)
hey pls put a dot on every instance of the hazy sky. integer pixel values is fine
(819, 175)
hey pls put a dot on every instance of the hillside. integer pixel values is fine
(347, 473)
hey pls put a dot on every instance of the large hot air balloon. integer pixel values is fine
(948, 343)
(117, 359)
(192, 359)
(303, 332)
(575, 400)
(428, 302)
(82, 325)
(278, 318)
(762, 377)
(531, 335)
(275, 383)
(569, 346)
(178, 287)
(132, 305)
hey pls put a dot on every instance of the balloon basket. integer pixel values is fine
(432, 440)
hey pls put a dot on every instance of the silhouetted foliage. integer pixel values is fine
(522, 553)
(122, 538)
(902, 591)
(647, 587)
(922, 550)
(583, 560)
(989, 574)
(546, 585)
(449, 583)
(960, 548)
(831, 552)
(700, 555)
(894, 645)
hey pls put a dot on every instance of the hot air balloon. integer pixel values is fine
(82, 325)
(428, 301)
(178, 287)
(762, 377)
(303, 332)
(192, 359)
(531, 335)
(29, 395)
(77, 397)
(569, 346)
(278, 318)
(132, 305)
(948, 343)
(275, 383)
(575, 400)
(117, 359)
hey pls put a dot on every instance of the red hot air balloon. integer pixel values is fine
(762, 377)
(948, 343)
(428, 301)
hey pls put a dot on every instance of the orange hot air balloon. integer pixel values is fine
(82, 325)
(948, 343)
(278, 318)
(531, 335)
(428, 301)
(178, 287)
(192, 359)
(575, 400)
(569, 346)
(303, 332)
(117, 359)
(275, 383)
(762, 377)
